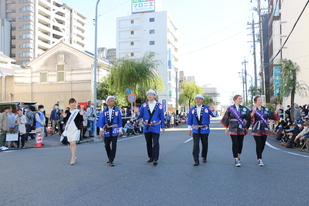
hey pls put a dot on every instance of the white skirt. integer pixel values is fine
(73, 134)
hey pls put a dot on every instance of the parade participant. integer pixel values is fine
(237, 121)
(152, 114)
(110, 124)
(198, 125)
(73, 119)
(260, 128)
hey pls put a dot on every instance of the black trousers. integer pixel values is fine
(260, 145)
(28, 130)
(153, 146)
(237, 143)
(196, 145)
(21, 140)
(111, 151)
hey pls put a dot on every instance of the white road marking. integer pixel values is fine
(292, 153)
(129, 138)
(188, 140)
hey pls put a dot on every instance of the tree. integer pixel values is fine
(188, 92)
(138, 74)
(208, 100)
(289, 85)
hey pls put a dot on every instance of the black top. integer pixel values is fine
(78, 119)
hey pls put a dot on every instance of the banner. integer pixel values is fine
(139, 6)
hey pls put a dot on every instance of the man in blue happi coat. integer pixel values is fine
(110, 124)
(198, 125)
(152, 114)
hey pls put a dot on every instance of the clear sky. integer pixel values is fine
(213, 39)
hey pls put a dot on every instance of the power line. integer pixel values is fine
(291, 31)
(213, 44)
(114, 8)
(214, 33)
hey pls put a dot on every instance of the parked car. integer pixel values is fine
(16, 105)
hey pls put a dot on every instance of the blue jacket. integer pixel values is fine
(193, 119)
(116, 119)
(55, 115)
(157, 117)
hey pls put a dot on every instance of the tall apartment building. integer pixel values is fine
(153, 32)
(5, 37)
(37, 25)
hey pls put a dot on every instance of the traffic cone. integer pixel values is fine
(39, 141)
(50, 130)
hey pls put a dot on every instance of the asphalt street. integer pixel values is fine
(45, 177)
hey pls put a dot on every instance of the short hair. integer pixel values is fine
(56, 104)
(236, 97)
(5, 108)
(40, 106)
(256, 98)
(72, 100)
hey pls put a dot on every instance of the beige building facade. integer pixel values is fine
(297, 47)
(57, 75)
(37, 25)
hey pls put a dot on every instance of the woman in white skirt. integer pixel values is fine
(73, 119)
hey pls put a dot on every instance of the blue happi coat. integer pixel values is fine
(205, 115)
(157, 117)
(116, 119)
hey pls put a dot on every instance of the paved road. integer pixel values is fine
(44, 176)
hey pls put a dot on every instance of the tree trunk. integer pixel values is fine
(293, 98)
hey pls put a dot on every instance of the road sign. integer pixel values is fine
(164, 104)
(128, 91)
(131, 98)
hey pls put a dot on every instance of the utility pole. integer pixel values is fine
(246, 86)
(262, 72)
(254, 57)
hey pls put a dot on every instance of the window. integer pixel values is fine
(25, 54)
(25, 36)
(132, 32)
(151, 42)
(152, 31)
(23, 27)
(26, 8)
(43, 77)
(25, 0)
(60, 58)
(25, 45)
(60, 73)
(151, 19)
(132, 43)
(132, 21)
(132, 54)
(25, 18)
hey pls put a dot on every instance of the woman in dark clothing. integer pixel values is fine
(236, 120)
(260, 128)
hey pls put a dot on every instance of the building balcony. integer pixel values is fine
(44, 27)
(44, 36)
(43, 45)
(44, 19)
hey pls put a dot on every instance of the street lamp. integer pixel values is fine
(95, 64)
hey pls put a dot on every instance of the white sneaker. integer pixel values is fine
(260, 163)
(3, 148)
(237, 163)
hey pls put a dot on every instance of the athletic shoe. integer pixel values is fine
(237, 163)
(260, 163)
(3, 148)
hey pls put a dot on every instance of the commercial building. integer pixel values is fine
(281, 23)
(5, 37)
(37, 25)
(152, 32)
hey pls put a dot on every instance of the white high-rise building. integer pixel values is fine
(37, 25)
(5, 37)
(153, 32)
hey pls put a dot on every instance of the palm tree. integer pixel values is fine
(289, 85)
(138, 74)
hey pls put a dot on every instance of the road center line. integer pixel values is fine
(129, 138)
(292, 153)
(188, 140)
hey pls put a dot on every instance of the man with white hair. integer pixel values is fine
(110, 123)
(152, 114)
(198, 125)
